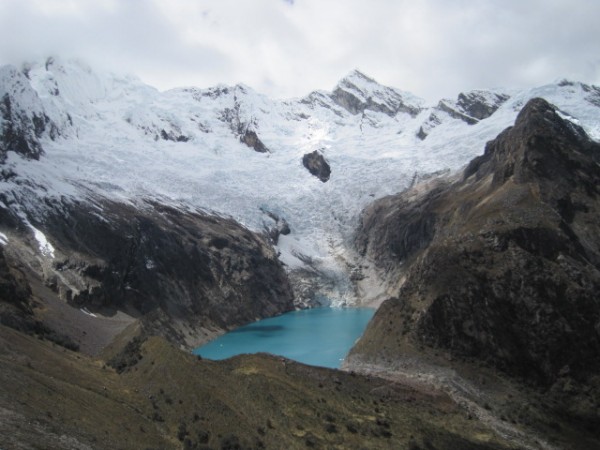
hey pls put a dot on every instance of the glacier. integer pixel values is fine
(115, 137)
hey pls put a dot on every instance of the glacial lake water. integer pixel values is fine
(319, 336)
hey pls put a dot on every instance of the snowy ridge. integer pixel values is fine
(357, 93)
(127, 141)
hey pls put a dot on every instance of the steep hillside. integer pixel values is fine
(501, 267)
(167, 399)
(185, 274)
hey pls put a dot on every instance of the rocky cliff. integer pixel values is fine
(500, 267)
(185, 274)
(23, 119)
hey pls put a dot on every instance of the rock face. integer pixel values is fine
(22, 117)
(15, 309)
(250, 138)
(317, 165)
(473, 106)
(502, 265)
(182, 272)
(480, 104)
(17, 305)
(358, 93)
(455, 113)
(470, 107)
(276, 227)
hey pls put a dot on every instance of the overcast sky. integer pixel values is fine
(286, 48)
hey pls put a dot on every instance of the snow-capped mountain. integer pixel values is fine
(70, 132)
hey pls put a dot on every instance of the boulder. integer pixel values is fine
(250, 138)
(317, 165)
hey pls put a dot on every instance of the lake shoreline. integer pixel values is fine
(317, 336)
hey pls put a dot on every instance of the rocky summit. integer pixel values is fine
(137, 224)
(500, 266)
(493, 255)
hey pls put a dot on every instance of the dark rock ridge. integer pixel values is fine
(317, 165)
(503, 265)
(480, 104)
(182, 272)
(456, 114)
(470, 107)
(23, 120)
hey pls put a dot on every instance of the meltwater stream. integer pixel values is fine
(319, 336)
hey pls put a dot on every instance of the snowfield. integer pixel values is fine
(124, 140)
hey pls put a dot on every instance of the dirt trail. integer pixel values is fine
(425, 377)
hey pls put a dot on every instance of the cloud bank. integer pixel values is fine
(285, 48)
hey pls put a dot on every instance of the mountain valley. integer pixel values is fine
(136, 225)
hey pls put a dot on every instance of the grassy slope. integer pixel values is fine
(53, 398)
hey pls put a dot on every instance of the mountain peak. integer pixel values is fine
(542, 146)
(357, 92)
(540, 118)
(356, 76)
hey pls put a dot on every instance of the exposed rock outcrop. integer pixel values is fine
(17, 306)
(358, 93)
(278, 226)
(23, 120)
(473, 106)
(184, 273)
(502, 266)
(15, 309)
(174, 137)
(317, 165)
(480, 104)
(455, 113)
(470, 107)
(241, 122)
(250, 138)
(432, 121)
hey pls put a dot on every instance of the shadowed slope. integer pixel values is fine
(501, 267)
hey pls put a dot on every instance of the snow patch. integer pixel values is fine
(3, 239)
(87, 312)
(45, 247)
(567, 117)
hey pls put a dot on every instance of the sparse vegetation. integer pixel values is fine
(270, 407)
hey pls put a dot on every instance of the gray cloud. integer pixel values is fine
(433, 48)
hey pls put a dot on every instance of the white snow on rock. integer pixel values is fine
(45, 247)
(126, 141)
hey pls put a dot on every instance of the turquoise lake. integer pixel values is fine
(319, 336)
